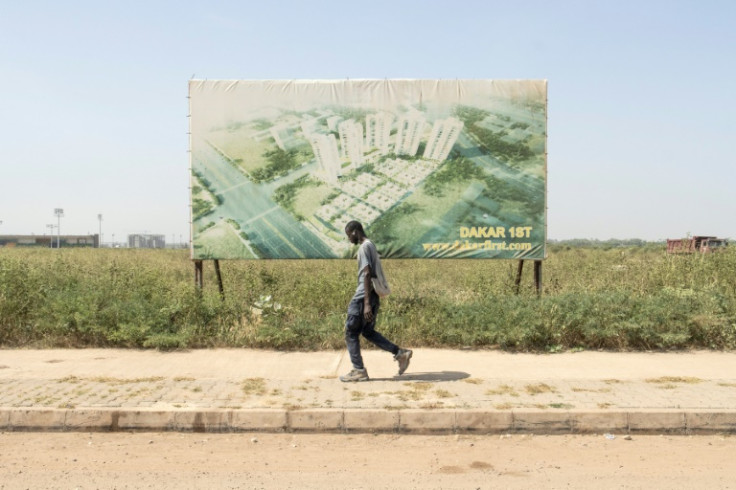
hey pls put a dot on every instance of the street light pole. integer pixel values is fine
(59, 214)
(99, 239)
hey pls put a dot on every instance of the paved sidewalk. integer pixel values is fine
(442, 391)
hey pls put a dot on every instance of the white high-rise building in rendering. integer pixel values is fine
(409, 135)
(378, 131)
(325, 151)
(351, 141)
(445, 133)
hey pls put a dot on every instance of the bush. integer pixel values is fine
(629, 298)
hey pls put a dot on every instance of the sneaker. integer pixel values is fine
(403, 357)
(355, 375)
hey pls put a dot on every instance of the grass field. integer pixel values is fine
(634, 298)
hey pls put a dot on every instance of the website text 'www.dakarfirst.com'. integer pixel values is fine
(466, 245)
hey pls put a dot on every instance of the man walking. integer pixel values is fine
(363, 309)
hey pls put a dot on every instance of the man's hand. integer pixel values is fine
(367, 312)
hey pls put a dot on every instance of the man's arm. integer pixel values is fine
(368, 288)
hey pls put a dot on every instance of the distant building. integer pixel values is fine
(146, 241)
(49, 241)
(445, 133)
(409, 135)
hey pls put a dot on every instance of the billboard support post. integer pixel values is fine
(519, 269)
(537, 276)
(198, 281)
(199, 277)
(219, 279)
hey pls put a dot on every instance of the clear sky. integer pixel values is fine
(641, 111)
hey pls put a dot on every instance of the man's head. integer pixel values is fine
(354, 231)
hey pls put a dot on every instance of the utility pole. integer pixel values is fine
(59, 214)
(99, 239)
(51, 234)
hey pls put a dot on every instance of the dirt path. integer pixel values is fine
(255, 461)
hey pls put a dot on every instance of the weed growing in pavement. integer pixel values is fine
(416, 391)
(675, 379)
(565, 406)
(123, 381)
(536, 389)
(503, 390)
(590, 390)
(395, 407)
(254, 386)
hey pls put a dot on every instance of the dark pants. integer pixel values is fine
(355, 326)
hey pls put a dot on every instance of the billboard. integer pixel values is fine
(432, 168)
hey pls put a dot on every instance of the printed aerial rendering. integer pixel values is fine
(279, 168)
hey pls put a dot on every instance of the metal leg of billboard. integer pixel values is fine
(537, 276)
(219, 280)
(199, 276)
(198, 281)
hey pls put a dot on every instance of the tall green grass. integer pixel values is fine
(634, 298)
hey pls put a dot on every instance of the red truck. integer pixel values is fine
(702, 244)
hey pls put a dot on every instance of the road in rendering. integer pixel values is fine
(269, 227)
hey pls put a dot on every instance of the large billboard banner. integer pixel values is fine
(431, 168)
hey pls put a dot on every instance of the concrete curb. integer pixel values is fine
(408, 421)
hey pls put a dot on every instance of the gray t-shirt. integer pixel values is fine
(367, 256)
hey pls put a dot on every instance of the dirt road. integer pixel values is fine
(298, 461)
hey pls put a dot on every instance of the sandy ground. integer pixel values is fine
(327, 461)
